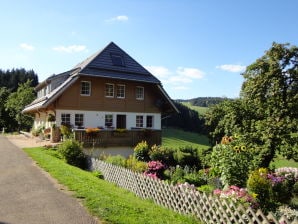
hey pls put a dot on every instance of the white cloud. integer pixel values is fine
(121, 18)
(159, 71)
(179, 79)
(26, 47)
(192, 73)
(180, 88)
(231, 68)
(71, 48)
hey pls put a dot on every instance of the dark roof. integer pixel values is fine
(102, 64)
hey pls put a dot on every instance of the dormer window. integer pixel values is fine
(117, 60)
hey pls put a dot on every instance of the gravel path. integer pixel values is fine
(29, 195)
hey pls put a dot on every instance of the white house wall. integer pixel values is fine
(97, 118)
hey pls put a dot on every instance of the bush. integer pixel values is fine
(117, 160)
(72, 152)
(165, 155)
(136, 165)
(259, 185)
(187, 156)
(65, 131)
(141, 151)
(231, 161)
(155, 169)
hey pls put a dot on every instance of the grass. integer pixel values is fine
(279, 161)
(175, 138)
(103, 199)
(200, 110)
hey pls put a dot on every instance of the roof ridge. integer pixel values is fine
(88, 60)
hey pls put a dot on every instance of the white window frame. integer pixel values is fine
(109, 119)
(140, 93)
(120, 91)
(79, 118)
(63, 118)
(107, 90)
(139, 121)
(85, 90)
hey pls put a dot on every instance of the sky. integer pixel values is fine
(196, 48)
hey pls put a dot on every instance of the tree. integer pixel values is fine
(16, 103)
(5, 120)
(271, 88)
(266, 115)
(12, 78)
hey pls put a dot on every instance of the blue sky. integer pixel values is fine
(196, 48)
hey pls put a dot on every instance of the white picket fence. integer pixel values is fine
(184, 199)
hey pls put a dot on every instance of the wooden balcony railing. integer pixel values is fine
(114, 138)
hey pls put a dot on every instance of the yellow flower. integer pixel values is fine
(243, 148)
(237, 148)
(254, 195)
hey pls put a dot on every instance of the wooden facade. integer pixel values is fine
(97, 101)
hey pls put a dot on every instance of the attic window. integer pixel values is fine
(117, 60)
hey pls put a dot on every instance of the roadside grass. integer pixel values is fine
(108, 202)
(175, 138)
(200, 110)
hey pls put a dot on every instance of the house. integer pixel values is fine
(109, 90)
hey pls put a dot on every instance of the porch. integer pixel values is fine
(117, 138)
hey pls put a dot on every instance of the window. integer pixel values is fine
(140, 93)
(109, 120)
(117, 60)
(65, 119)
(85, 88)
(79, 120)
(149, 121)
(120, 91)
(109, 91)
(139, 121)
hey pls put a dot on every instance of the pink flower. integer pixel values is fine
(217, 192)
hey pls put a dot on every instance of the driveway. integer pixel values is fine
(28, 196)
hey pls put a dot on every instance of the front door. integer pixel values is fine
(121, 121)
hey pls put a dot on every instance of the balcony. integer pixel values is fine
(117, 138)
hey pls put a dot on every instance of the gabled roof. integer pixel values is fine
(100, 64)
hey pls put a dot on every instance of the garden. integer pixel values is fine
(230, 170)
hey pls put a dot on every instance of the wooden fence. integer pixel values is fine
(183, 198)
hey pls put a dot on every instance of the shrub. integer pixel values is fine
(141, 151)
(240, 195)
(65, 131)
(231, 161)
(136, 165)
(155, 169)
(206, 188)
(117, 160)
(260, 185)
(72, 152)
(187, 156)
(163, 154)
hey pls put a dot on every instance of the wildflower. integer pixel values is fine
(237, 148)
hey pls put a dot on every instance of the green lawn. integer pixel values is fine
(103, 199)
(175, 138)
(200, 110)
(279, 161)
